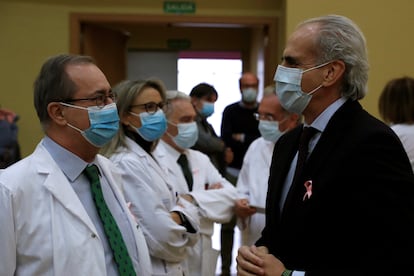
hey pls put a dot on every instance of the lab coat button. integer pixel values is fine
(93, 235)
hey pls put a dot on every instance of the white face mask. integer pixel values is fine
(187, 135)
(289, 89)
(249, 95)
(270, 130)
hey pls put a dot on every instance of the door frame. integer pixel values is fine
(270, 50)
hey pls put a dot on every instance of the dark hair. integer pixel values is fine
(53, 83)
(203, 90)
(396, 102)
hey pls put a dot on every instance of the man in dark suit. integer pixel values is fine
(350, 210)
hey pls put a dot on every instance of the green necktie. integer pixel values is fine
(112, 232)
(183, 162)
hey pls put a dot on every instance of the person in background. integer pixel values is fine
(170, 223)
(195, 175)
(340, 194)
(9, 145)
(396, 107)
(252, 182)
(239, 129)
(61, 211)
(203, 96)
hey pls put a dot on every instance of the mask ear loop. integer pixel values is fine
(313, 68)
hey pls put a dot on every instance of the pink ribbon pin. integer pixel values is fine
(308, 186)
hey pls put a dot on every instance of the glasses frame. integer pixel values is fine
(259, 117)
(150, 107)
(100, 100)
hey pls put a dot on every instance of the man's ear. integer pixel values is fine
(56, 113)
(335, 71)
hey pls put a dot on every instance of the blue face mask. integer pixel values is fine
(207, 109)
(270, 130)
(153, 126)
(249, 95)
(104, 123)
(289, 88)
(187, 135)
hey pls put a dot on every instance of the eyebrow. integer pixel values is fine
(102, 92)
(290, 60)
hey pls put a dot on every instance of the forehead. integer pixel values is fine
(300, 46)
(88, 78)
(270, 105)
(248, 79)
(148, 94)
(182, 108)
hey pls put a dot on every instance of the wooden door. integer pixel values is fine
(109, 49)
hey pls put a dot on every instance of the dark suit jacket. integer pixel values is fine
(360, 217)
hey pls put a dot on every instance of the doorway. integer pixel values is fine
(257, 38)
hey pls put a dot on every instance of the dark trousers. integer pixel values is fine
(227, 237)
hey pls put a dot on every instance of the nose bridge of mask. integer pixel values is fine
(288, 75)
(103, 115)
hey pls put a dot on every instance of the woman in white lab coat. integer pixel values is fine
(170, 223)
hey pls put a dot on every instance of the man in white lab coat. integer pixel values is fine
(210, 191)
(274, 120)
(49, 224)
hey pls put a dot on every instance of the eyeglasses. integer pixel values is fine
(100, 100)
(150, 107)
(265, 117)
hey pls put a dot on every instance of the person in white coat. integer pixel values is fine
(274, 120)
(49, 224)
(170, 223)
(396, 108)
(209, 190)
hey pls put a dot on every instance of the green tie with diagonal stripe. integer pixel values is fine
(114, 236)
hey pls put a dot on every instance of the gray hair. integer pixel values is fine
(341, 39)
(53, 83)
(126, 91)
(269, 90)
(173, 95)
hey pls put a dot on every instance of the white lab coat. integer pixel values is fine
(406, 134)
(252, 184)
(153, 197)
(44, 228)
(215, 205)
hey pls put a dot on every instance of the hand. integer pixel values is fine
(217, 185)
(8, 115)
(129, 205)
(187, 197)
(272, 266)
(242, 208)
(238, 137)
(228, 156)
(248, 263)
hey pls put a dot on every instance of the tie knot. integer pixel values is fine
(307, 134)
(92, 173)
(182, 160)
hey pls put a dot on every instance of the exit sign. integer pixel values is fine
(179, 7)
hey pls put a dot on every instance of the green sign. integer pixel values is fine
(179, 7)
(178, 44)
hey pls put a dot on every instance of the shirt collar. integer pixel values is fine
(322, 120)
(172, 151)
(70, 164)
